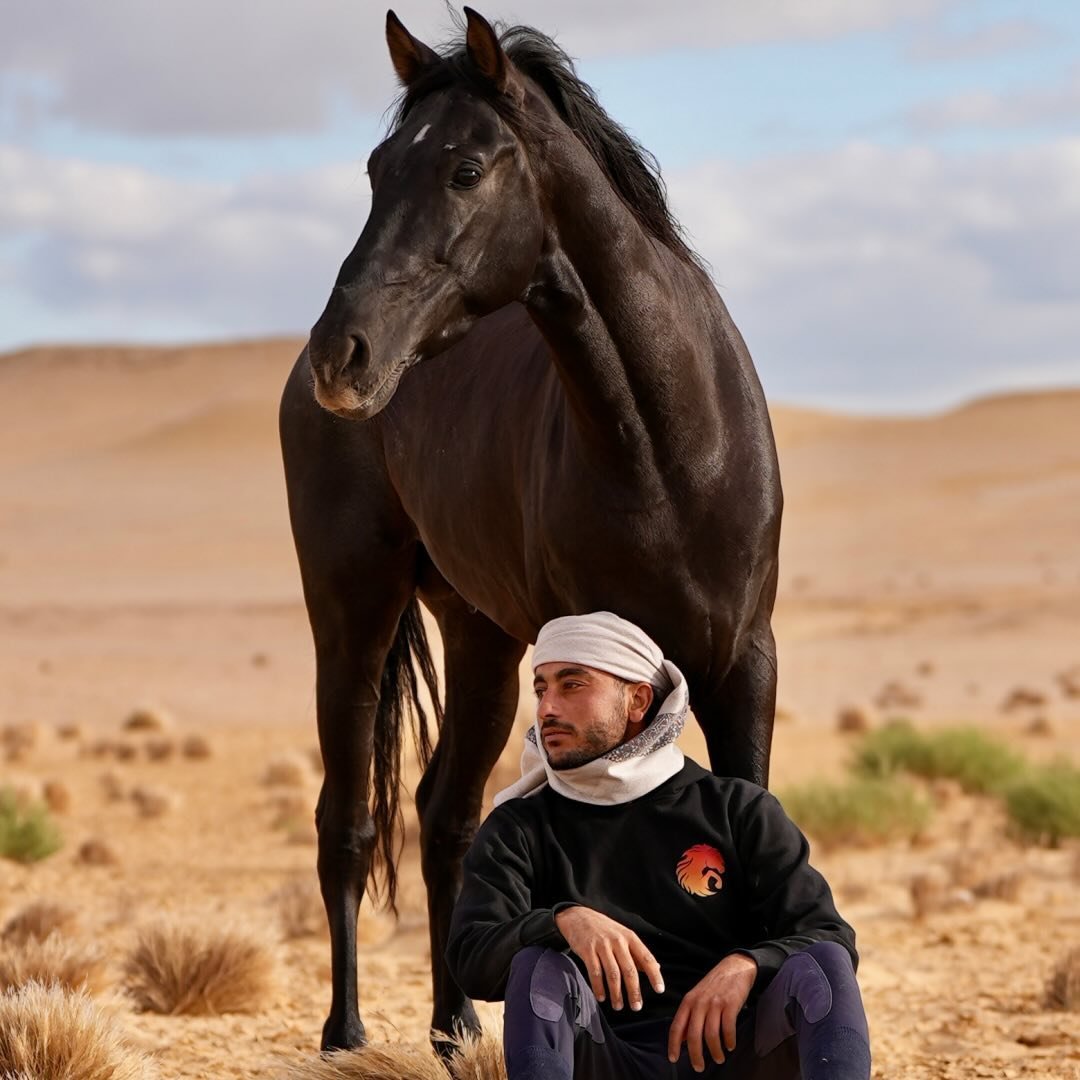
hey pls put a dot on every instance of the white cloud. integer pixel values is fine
(897, 277)
(936, 45)
(243, 257)
(1033, 108)
(865, 276)
(248, 66)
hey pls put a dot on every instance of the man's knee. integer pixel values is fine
(525, 961)
(548, 979)
(833, 959)
(818, 981)
(554, 988)
(805, 983)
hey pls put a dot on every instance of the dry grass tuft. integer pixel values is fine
(895, 695)
(124, 751)
(113, 787)
(390, 1061)
(17, 740)
(927, 895)
(160, 749)
(178, 969)
(852, 720)
(287, 771)
(56, 960)
(930, 894)
(1039, 726)
(479, 1059)
(37, 921)
(57, 796)
(300, 909)
(1022, 697)
(153, 802)
(968, 867)
(1063, 990)
(46, 1032)
(99, 748)
(95, 852)
(1069, 682)
(148, 718)
(196, 747)
(1005, 887)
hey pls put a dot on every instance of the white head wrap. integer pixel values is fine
(608, 643)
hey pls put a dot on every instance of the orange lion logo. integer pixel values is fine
(699, 870)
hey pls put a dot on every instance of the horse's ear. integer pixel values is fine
(484, 50)
(409, 56)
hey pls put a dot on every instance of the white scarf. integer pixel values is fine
(607, 643)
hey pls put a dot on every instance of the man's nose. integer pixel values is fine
(547, 705)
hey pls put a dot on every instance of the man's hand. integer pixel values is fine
(710, 1010)
(610, 951)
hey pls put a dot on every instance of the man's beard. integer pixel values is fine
(599, 740)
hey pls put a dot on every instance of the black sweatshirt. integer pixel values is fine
(746, 885)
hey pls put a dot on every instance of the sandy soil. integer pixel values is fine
(145, 557)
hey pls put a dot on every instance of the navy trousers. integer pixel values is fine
(809, 1024)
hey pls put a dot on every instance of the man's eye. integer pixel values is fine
(467, 176)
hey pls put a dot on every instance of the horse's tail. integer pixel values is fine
(399, 700)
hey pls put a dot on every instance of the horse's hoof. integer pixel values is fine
(347, 1035)
(464, 1023)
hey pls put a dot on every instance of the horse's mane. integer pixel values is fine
(633, 172)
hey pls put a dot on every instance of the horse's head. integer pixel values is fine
(455, 228)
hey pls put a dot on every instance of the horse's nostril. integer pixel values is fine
(361, 351)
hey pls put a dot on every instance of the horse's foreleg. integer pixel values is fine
(738, 716)
(481, 700)
(354, 623)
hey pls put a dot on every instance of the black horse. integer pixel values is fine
(558, 416)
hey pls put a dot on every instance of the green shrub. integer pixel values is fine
(1044, 805)
(976, 761)
(896, 747)
(859, 812)
(27, 832)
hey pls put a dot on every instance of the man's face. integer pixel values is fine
(584, 713)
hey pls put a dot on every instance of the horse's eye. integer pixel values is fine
(467, 176)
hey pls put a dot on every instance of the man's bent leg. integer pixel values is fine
(815, 998)
(553, 1024)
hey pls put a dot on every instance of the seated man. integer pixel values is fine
(614, 855)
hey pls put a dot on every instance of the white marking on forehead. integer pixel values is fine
(421, 133)
(450, 146)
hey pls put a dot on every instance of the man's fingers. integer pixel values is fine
(712, 1032)
(731, 1016)
(694, 1031)
(677, 1031)
(613, 974)
(596, 974)
(629, 974)
(648, 964)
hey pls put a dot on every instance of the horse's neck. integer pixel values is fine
(630, 324)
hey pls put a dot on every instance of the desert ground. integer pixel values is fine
(145, 560)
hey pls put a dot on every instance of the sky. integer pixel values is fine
(887, 192)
